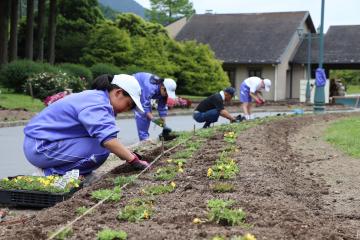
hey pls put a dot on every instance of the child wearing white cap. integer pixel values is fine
(79, 131)
(251, 89)
(153, 87)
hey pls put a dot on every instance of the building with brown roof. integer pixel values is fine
(268, 45)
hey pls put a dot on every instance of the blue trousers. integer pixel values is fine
(142, 124)
(85, 154)
(210, 116)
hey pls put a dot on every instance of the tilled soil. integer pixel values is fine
(284, 195)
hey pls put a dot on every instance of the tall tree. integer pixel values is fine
(40, 30)
(29, 49)
(4, 30)
(75, 22)
(52, 31)
(168, 11)
(13, 49)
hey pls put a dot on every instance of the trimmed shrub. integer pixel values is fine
(104, 68)
(15, 74)
(47, 84)
(77, 70)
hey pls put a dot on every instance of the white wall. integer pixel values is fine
(299, 73)
(268, 71)
(283, 79)
(302, 90)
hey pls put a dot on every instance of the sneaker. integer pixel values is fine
(206, 125)
(39, 172)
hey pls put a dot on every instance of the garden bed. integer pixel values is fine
(272, 187)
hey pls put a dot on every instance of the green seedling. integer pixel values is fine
(182, 136)
(223, 170)
(230, 148)
(160, 189)
(64, 234)
(230, 137)
(223, 187)
(143, 201)
(179, 163)
(108, 234)
(166, 173)
(220, 212)
(219, 203)
(122, 180)
(81, 210)
(184, 154)
(111, 195)
(193, 145)
(206, 133)
(135, 213)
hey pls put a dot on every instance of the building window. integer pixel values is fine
(255, 72)
(232, 76)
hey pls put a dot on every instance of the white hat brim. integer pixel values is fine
(171, 94)
(137, 102)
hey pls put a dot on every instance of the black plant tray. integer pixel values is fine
(34, 199)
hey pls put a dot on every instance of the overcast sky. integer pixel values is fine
(337, 12)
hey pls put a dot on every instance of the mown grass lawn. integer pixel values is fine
(11, 100)
(352, 89)
(193, 98)
(345, 135)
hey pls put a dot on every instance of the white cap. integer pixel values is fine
(130, 85)
(170, 86)
(267, 83)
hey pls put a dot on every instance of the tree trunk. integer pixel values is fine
(13, 30)
(29, 49)
(40, 27)
(52, 31)
(4, 30)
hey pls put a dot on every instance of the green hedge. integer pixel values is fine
(46, 84)
(15, 74)
(104, 68)
(77, 70)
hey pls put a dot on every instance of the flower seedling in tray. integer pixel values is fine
(36, 191)
(34, 183)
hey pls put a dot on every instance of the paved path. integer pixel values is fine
(13, 161)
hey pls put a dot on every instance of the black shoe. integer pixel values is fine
(206, 125)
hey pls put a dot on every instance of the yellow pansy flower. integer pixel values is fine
(146, 214)
(196, 221)
(249, 236)
(209, 172)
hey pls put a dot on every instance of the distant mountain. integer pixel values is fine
(125, 6)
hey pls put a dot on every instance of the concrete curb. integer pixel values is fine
(231, 109)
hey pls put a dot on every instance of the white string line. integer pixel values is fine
(125, 185)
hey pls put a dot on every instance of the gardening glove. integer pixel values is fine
(259, 101)
(138, 164)
(159, 121)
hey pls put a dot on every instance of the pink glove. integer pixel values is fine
(259, 101)
(138, 164)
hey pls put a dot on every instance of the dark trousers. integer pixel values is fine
(208, 117)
